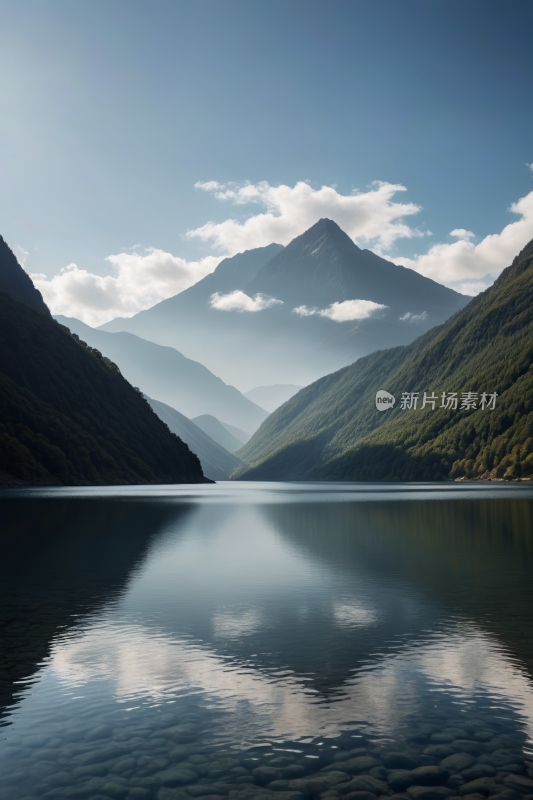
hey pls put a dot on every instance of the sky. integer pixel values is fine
(141, 142)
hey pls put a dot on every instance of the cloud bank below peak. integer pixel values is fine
(346, 311)
(239, 301)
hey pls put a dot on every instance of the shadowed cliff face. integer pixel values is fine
(17, 283)
(62, 561)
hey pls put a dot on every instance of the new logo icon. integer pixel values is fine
(384, 400)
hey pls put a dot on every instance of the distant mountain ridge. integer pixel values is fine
(165, 374)
(276, 345)
(331, 430)
(239, 434)
(213, 428)
(18, 283)
(217, 462)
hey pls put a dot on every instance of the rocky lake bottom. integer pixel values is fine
(282, 641)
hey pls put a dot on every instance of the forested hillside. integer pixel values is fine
(332, 429)
(68, 417)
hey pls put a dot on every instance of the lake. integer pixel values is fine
(269, 640)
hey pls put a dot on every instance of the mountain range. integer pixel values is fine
(333, 430)
(165, 374)
(217, 462)
(217, 431)
(294, 335)
(459, 398)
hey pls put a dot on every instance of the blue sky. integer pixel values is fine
(112, 111)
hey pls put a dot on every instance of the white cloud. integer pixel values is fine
(139, 281)
(474, 288)
(351, 309)
(462, 235)
(239, 301)
(368, 217)
(240, 195)
(409, 317)
(456, 262)
(208, 186)
(342, 312)
(303, 311)
(530, 166)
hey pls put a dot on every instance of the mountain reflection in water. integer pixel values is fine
(266, 612)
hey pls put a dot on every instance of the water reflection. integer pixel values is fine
(279, 614)
(61, 561)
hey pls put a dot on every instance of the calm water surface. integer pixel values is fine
(250, 640)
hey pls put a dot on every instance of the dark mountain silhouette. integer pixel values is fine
(18, 283)
(166, 375)
(277, 345)
(217, 462)
(67, 417)
(332, 429)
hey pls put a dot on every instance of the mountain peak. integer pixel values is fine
(326, 224)
(324, 234)
(323, 265)
(18, 283)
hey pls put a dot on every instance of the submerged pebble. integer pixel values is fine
(170, 761)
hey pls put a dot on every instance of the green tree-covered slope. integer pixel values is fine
(332, 430)
(69, 418)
